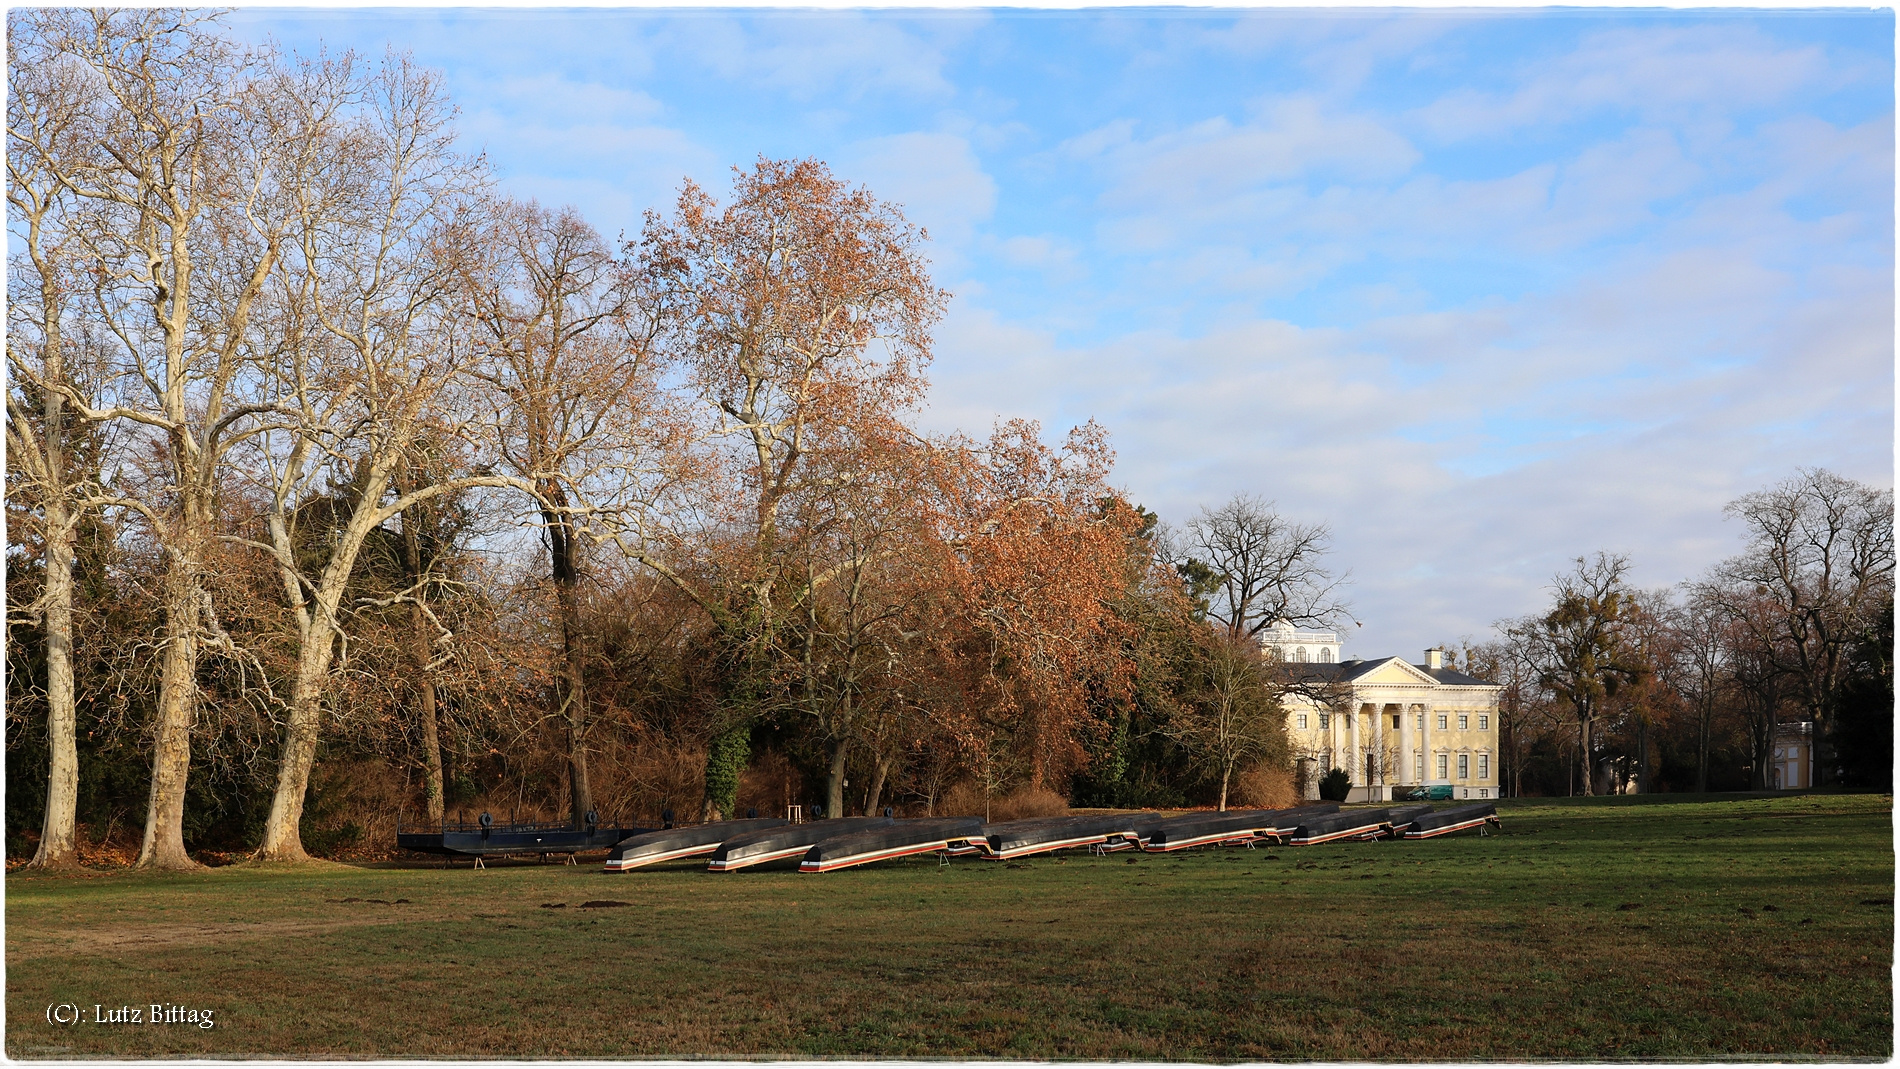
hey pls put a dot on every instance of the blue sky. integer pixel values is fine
(1483, 290)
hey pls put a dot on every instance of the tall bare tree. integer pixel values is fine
(1818, 566)
(46, 105)
(1701, 665)
(172, 172)
(1261, 567)
(373, 366)
(567, 332)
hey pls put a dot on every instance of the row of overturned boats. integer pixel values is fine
(830, 845)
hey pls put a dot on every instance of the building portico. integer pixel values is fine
(1392, 725)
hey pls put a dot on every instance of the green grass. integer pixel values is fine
(1721, 929)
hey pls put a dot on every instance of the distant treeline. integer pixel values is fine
(1687, 688)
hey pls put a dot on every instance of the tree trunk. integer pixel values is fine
(1583, 757)
(283, 831)
(432, 787)
(58, 831)
(834, 781)
(432, 791)
(574, 706)
(725, 762)
(164, 845)
(564, 559)
(877, 786)
(1702, 755)
(1225, 774)
(1642, 756)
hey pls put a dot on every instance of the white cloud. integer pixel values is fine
(935, 177)
(1655, 72)
(806, 55)
(552, 100)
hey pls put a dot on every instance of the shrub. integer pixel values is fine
(1263, 787)
(1334, 785)
(966, 800)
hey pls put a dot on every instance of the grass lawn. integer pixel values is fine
(1701, 929)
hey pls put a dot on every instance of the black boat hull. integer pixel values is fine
(1447, 821)
(902, 839)
(1025, 838)
(1346, 824)
(1208, 829)
(787, 843)
(505, 841)
(674, 844)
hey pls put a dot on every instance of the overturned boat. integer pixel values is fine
(1236, 827)
(487, 838)
(671, 844)
(900, 838)
(1022, 838)
(1288, 821)
(1400, 817)
(1202, 829)
(1346, 824)
(1446, 821)
(790, 841)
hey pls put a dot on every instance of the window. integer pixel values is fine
(1442, 773)
(1441, 721)
(1299, 654)
(1421, 722)
(1418, 768)
(1326, 656)
(1464, 722)
(1395, 721)
(1484, 792)
(1464, 766)
(1302, 721)
(1484, 722)
(1484, 766)
(1325, 721)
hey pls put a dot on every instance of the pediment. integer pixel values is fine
(1396, 670)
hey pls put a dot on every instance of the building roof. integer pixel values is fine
(1347, 671)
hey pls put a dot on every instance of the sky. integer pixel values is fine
(1483, 291)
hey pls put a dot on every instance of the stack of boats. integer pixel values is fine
(829, 845)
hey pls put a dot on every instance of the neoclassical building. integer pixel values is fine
(1392, 725)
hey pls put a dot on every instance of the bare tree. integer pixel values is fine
(45, 105)
(1509, 661)
(1232, 717)
(1818, 566)
(1261, 567)
(567, 332)
(1701, 665)
(373, 368)
(172, 171)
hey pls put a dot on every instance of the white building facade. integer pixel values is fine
(1392, 725)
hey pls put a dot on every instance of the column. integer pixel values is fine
(1377, 775)
(1405, 742)
(1425, 742)
(1355, 763)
